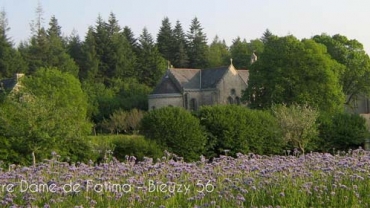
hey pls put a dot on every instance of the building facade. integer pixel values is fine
(192, 88)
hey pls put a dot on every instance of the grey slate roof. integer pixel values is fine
(177, 79)
(244, 74)
(210, 77)
(7, 84)
(187, 78)
(166, 86)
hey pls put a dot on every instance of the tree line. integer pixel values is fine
(117, 69)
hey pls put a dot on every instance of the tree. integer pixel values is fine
(130, 37)
(298, 124)
(124, 58)
(219, 54)
(10, 59)
(151, 64)
(47, 48)
(181, 59)
(74, 50)
(165, 40)
(240, 53)
(47, 114)
(267, 35)
(197, 50)
(352, 55)
(90, 65)
(133, 120)
(176, 130)
(116, 122)
(57, 55)
(292, 71)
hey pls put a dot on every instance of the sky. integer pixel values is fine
(226, 18)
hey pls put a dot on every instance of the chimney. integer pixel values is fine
(17, 76)
(253, 57)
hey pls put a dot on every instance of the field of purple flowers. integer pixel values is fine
(312, 180)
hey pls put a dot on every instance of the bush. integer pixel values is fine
(239, 129)
(136, 146)
(176, 130)
(342, 131)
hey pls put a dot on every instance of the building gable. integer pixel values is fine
(166, 86)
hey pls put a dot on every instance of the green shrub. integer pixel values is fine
(342, 131)
(136, 146)
(239, 129)
(176, 130)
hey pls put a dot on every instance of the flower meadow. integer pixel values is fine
(311, 180)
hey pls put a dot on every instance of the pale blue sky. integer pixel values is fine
(228, 19)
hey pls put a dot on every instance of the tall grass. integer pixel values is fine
(313, 180)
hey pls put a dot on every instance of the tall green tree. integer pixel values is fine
(57, 55)
(219, 54)
(352, 55)
(10, 59)
(74, 50)
(166, 40)
(130, 37)
(197, 47)
(151, 64)
(90, 65)
(240, 53)
(104, 50)
(292, 71)
(181, 59)
(47, 48)
(267, 35)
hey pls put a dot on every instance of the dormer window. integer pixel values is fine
(232, 92)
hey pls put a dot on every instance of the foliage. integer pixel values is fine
(133, 120)
(342, 131)
(181, 58)
(151, 64)
(298, 124)
(351, 54)
(116, 122)
(197, 48)
(236, 129)
(138, 147)
(165, 40)
(292, 71)
(47, 113)
(11, 60)
(240, 53)
(176, 130)
(123, 122)
(218, 54)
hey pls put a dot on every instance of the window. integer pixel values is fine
(232, 92)
(230, 100)
(193, 104)
(186, 98)
(214, 98)
(237, 100)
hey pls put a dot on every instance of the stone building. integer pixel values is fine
(192, 88)
(11, 84)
